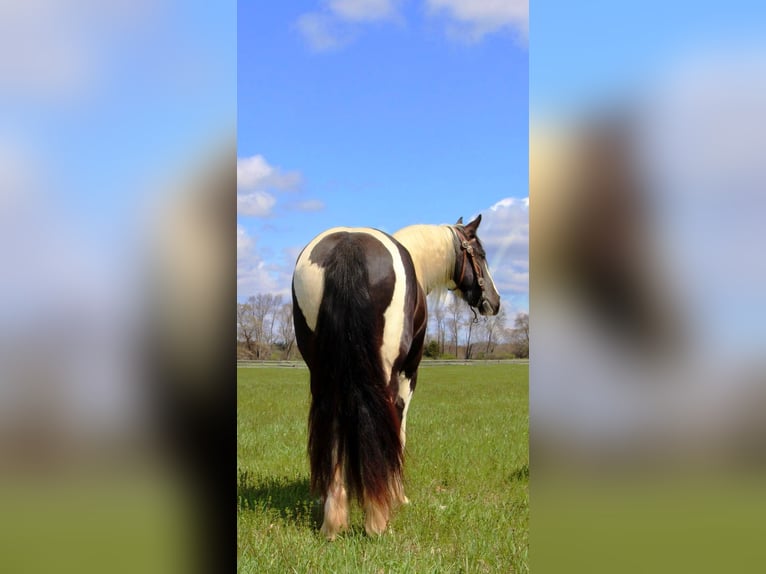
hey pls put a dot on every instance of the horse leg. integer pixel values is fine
(375, 516)
(405, 394)
(335, 506)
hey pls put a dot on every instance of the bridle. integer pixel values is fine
(470, 257)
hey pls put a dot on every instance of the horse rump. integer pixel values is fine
(353, 423)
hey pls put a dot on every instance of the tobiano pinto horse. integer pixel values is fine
(360, 314)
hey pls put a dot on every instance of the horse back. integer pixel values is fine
(376, 278)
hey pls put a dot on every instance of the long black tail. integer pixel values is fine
(352, 420)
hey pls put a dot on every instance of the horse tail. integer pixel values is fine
(352, 420)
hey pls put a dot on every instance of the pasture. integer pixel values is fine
(466, 474)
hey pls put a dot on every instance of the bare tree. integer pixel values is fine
(492, 328)
(470, 320)
(246, 326)
(271, 320)
(437, 318)
(286, 330)
(453, 320)
(520, 335)
(264, 308)
(522, 324)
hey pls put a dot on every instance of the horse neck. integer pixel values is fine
(432, 248)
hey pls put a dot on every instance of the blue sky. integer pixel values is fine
(383, 114)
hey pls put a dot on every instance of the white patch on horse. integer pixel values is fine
(488, 275)
(309, 281)
(393, 325)
(405, 393)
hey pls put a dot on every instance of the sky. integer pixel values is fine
(383, 114)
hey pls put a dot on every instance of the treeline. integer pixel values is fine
(265, 331)
(455, 331)
(265, 328)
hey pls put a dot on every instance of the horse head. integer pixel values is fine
(472, 277)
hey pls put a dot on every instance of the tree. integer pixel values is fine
(453, 311)
(520, 335)
(492, 327)
(431, 350)
(470, 319)
(246, 326)
(437, 314)
(264, 307)
(275, 305)
(286, 330)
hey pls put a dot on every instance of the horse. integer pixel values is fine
(359, 300)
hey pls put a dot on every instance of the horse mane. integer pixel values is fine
(432, 248)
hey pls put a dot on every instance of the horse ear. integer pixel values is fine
(473, 226)
(459, 221)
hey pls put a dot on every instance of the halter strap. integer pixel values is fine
(468, 255)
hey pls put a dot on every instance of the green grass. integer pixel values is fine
(466, 474)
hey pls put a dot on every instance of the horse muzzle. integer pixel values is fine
(486, 308)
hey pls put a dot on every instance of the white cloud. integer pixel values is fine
(256, 174)
(471, 20)
(256, 180)
(363, 10)
(254, 278)
(510, 202)
(244, 242)
(334, 25)
(310, 205)
(256, 275)
(320, 31)
(504, 232)
(251, 171)
(256, 204)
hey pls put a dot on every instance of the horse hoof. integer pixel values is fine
(374, 530)
(328, 533)
(331, 530)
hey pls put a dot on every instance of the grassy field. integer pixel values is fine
(466, 474)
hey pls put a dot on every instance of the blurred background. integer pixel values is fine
(117, 213)
(648, 316)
